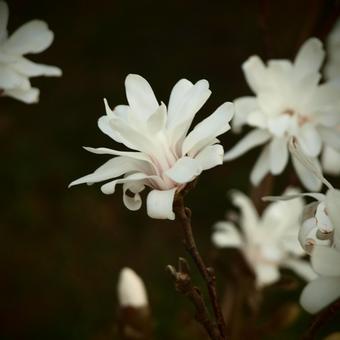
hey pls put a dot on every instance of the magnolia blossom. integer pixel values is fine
(167, 157)
(131, 289)
(267, 242)
(15, 69)
(330, 156)
(288, 102)
(326, 262)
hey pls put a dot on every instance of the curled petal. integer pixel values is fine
(319, 293)
(326, 261)
(135, 202)
(159, 204)
(32, 37)
(332, 206)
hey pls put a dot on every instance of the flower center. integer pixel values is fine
(301, 119)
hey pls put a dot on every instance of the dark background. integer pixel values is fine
(61, 250)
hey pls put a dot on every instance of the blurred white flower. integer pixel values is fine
(167, 157)
(267, 242)
(331, 157)
(289, 102)
(326, 262)
(131, 289)
(15, 69)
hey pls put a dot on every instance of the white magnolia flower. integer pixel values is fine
(288, 102)
(15, 69)
(131, 289)
(166, 156)
(267, 242)
(326, 262)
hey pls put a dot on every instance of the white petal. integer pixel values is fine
(310, 57)
(278, 155)
(30, 69)
(28, 96)
(135, 202)
(279, 125)
(251, 140)
(257, 119)
(326, 261)
(317, 196)
(226, 236)
(140, 96)
(210, 156)
(306, 177)
(255, 73)
(112, 168)
(177, 99)
(261, 167)
(319, 293)
(157, 120)
(3, 20)
(9, 79)
(249, 218)
(205, 132)
(331, 137)
(159, 204)
(301, 267)
(266, 274)
(310, 140)
(180, 120)
(32, 37)
(243, 107)
(330, 160)
(184, 170)
(332, 206)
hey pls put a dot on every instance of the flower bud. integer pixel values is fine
(131, 289)
(316, 228)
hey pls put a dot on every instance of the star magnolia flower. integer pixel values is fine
(267, 242)
(131, 289)
(326, 262)
(15, 70)
(166, 158)
(289, 102)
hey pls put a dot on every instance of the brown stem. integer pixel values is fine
(183, 214)
(185, 286)
(321, 319)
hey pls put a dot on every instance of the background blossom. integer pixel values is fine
(15, 69)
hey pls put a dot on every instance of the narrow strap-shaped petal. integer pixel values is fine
(278, 155)
(28, 96)
(184, 170)
(255, 73)
(251, 140)
(261, 167)
(210, 156)
(30, 69)
(310, 140)
(140, 96)
(319, 293)
(32, 37)
(226, 235)
(10, 79)
(159, 204)
(206, 131)
(309, 57)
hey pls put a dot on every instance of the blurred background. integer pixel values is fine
(61, 250)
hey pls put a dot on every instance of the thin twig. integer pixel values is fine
(185, 286)
(183, 215)
(321, 319)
